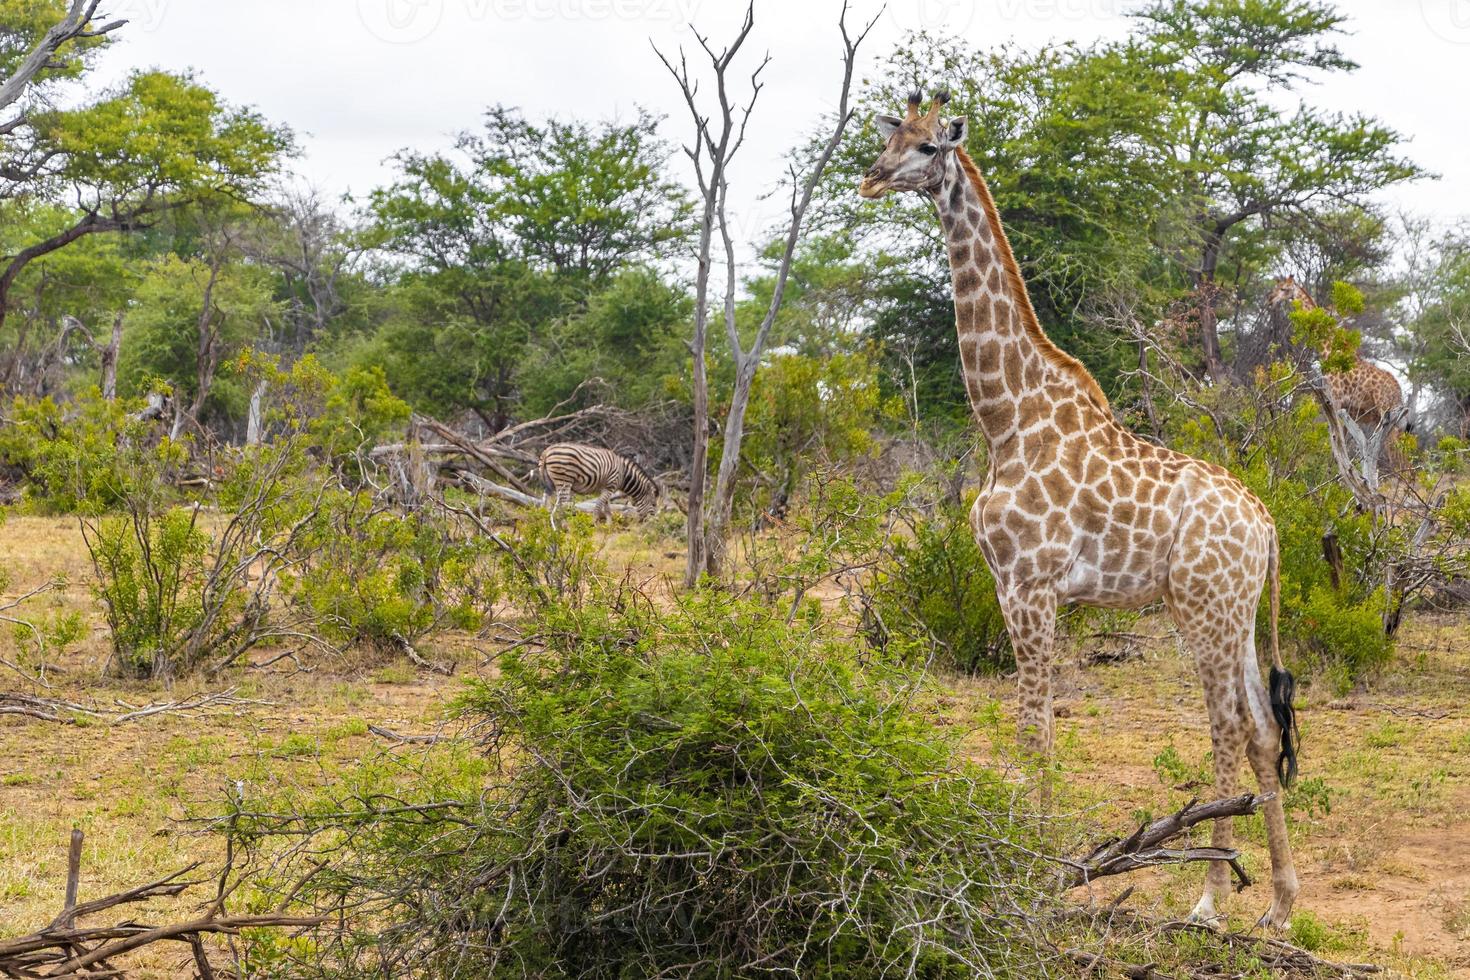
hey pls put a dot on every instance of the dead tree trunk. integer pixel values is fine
(711, 158)
(254, 418)
(109, 359)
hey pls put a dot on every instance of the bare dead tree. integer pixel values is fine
(711, 155)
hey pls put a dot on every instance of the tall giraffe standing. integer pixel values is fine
(1369, 395)
(1075, 508)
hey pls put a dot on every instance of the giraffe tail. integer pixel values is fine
(1282, 684)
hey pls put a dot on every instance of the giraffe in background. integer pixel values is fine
(1371, 396)
(1075, 508)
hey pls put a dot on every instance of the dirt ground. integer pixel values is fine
(1380, 823)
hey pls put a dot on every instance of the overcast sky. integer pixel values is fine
(361, 79)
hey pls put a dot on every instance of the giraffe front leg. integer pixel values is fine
(1031, 616)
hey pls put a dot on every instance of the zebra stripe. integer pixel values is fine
(568, 467)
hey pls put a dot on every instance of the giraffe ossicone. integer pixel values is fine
(1075, 508)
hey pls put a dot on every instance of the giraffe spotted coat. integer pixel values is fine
(1075, 508)
(1366, 392)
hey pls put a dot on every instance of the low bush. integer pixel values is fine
(374, 575)
(183, 587)
(934, 589)
(702, 789)
(84, 456)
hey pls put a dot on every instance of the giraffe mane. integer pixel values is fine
(1054, 355)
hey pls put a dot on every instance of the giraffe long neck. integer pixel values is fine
(1013, 372)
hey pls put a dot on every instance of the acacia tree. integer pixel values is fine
(718, 136)
(160, 143)
(1241, 159)
(517, 229)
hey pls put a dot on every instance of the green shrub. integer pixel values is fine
(370, 575)
(182, 587)
(152, 572)
(698, 790)
(84, 456)
(934, 589)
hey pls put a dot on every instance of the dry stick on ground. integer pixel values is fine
(393, 736)
(418, 659)
(65, 949)
(1144, 847)
(55, 709)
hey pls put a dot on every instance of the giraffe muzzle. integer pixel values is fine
(873, 184)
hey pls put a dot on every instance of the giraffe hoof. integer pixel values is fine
(1204, 914)
(1215, 923)
(1270, 922)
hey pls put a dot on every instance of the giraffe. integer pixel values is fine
(1369, 395)
(1075, 508)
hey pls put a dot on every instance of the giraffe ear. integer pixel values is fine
(887, 125)
(955, 131)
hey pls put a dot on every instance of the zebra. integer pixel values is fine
(568, 467)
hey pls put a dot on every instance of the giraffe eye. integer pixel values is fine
(928, 149)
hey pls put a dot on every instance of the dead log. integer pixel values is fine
(487, 488)
(1144, 847)
(471, 449)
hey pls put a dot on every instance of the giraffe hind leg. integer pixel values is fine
(1220, 645)
(1263, 750)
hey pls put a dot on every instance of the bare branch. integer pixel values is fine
(72, 27)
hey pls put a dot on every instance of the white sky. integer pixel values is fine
(360, 79)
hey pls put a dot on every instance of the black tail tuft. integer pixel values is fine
(1283, 689)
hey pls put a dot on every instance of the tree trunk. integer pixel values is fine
(724, 500)
(1209, 328)
(253, 419)
(699, 460)
(1148, 393)
(206, 357)
(109, 359)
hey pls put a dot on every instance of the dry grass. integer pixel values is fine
(1385, 871)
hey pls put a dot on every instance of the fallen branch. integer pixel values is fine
(65, 712)
(1279, 955)
(393, 736)
(467, 446)
(65, 949)
(1281, 958)
(1144, 847)
(418, 659)
(1093, 962)
(487, 488)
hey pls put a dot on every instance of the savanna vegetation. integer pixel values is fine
(280, 598)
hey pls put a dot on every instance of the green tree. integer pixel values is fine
(1441, 329)
(511, 235)
(1245, 162)
(157, 144)
(189, 316)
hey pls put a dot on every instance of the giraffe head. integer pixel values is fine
(1287, 291)
(919, 150)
